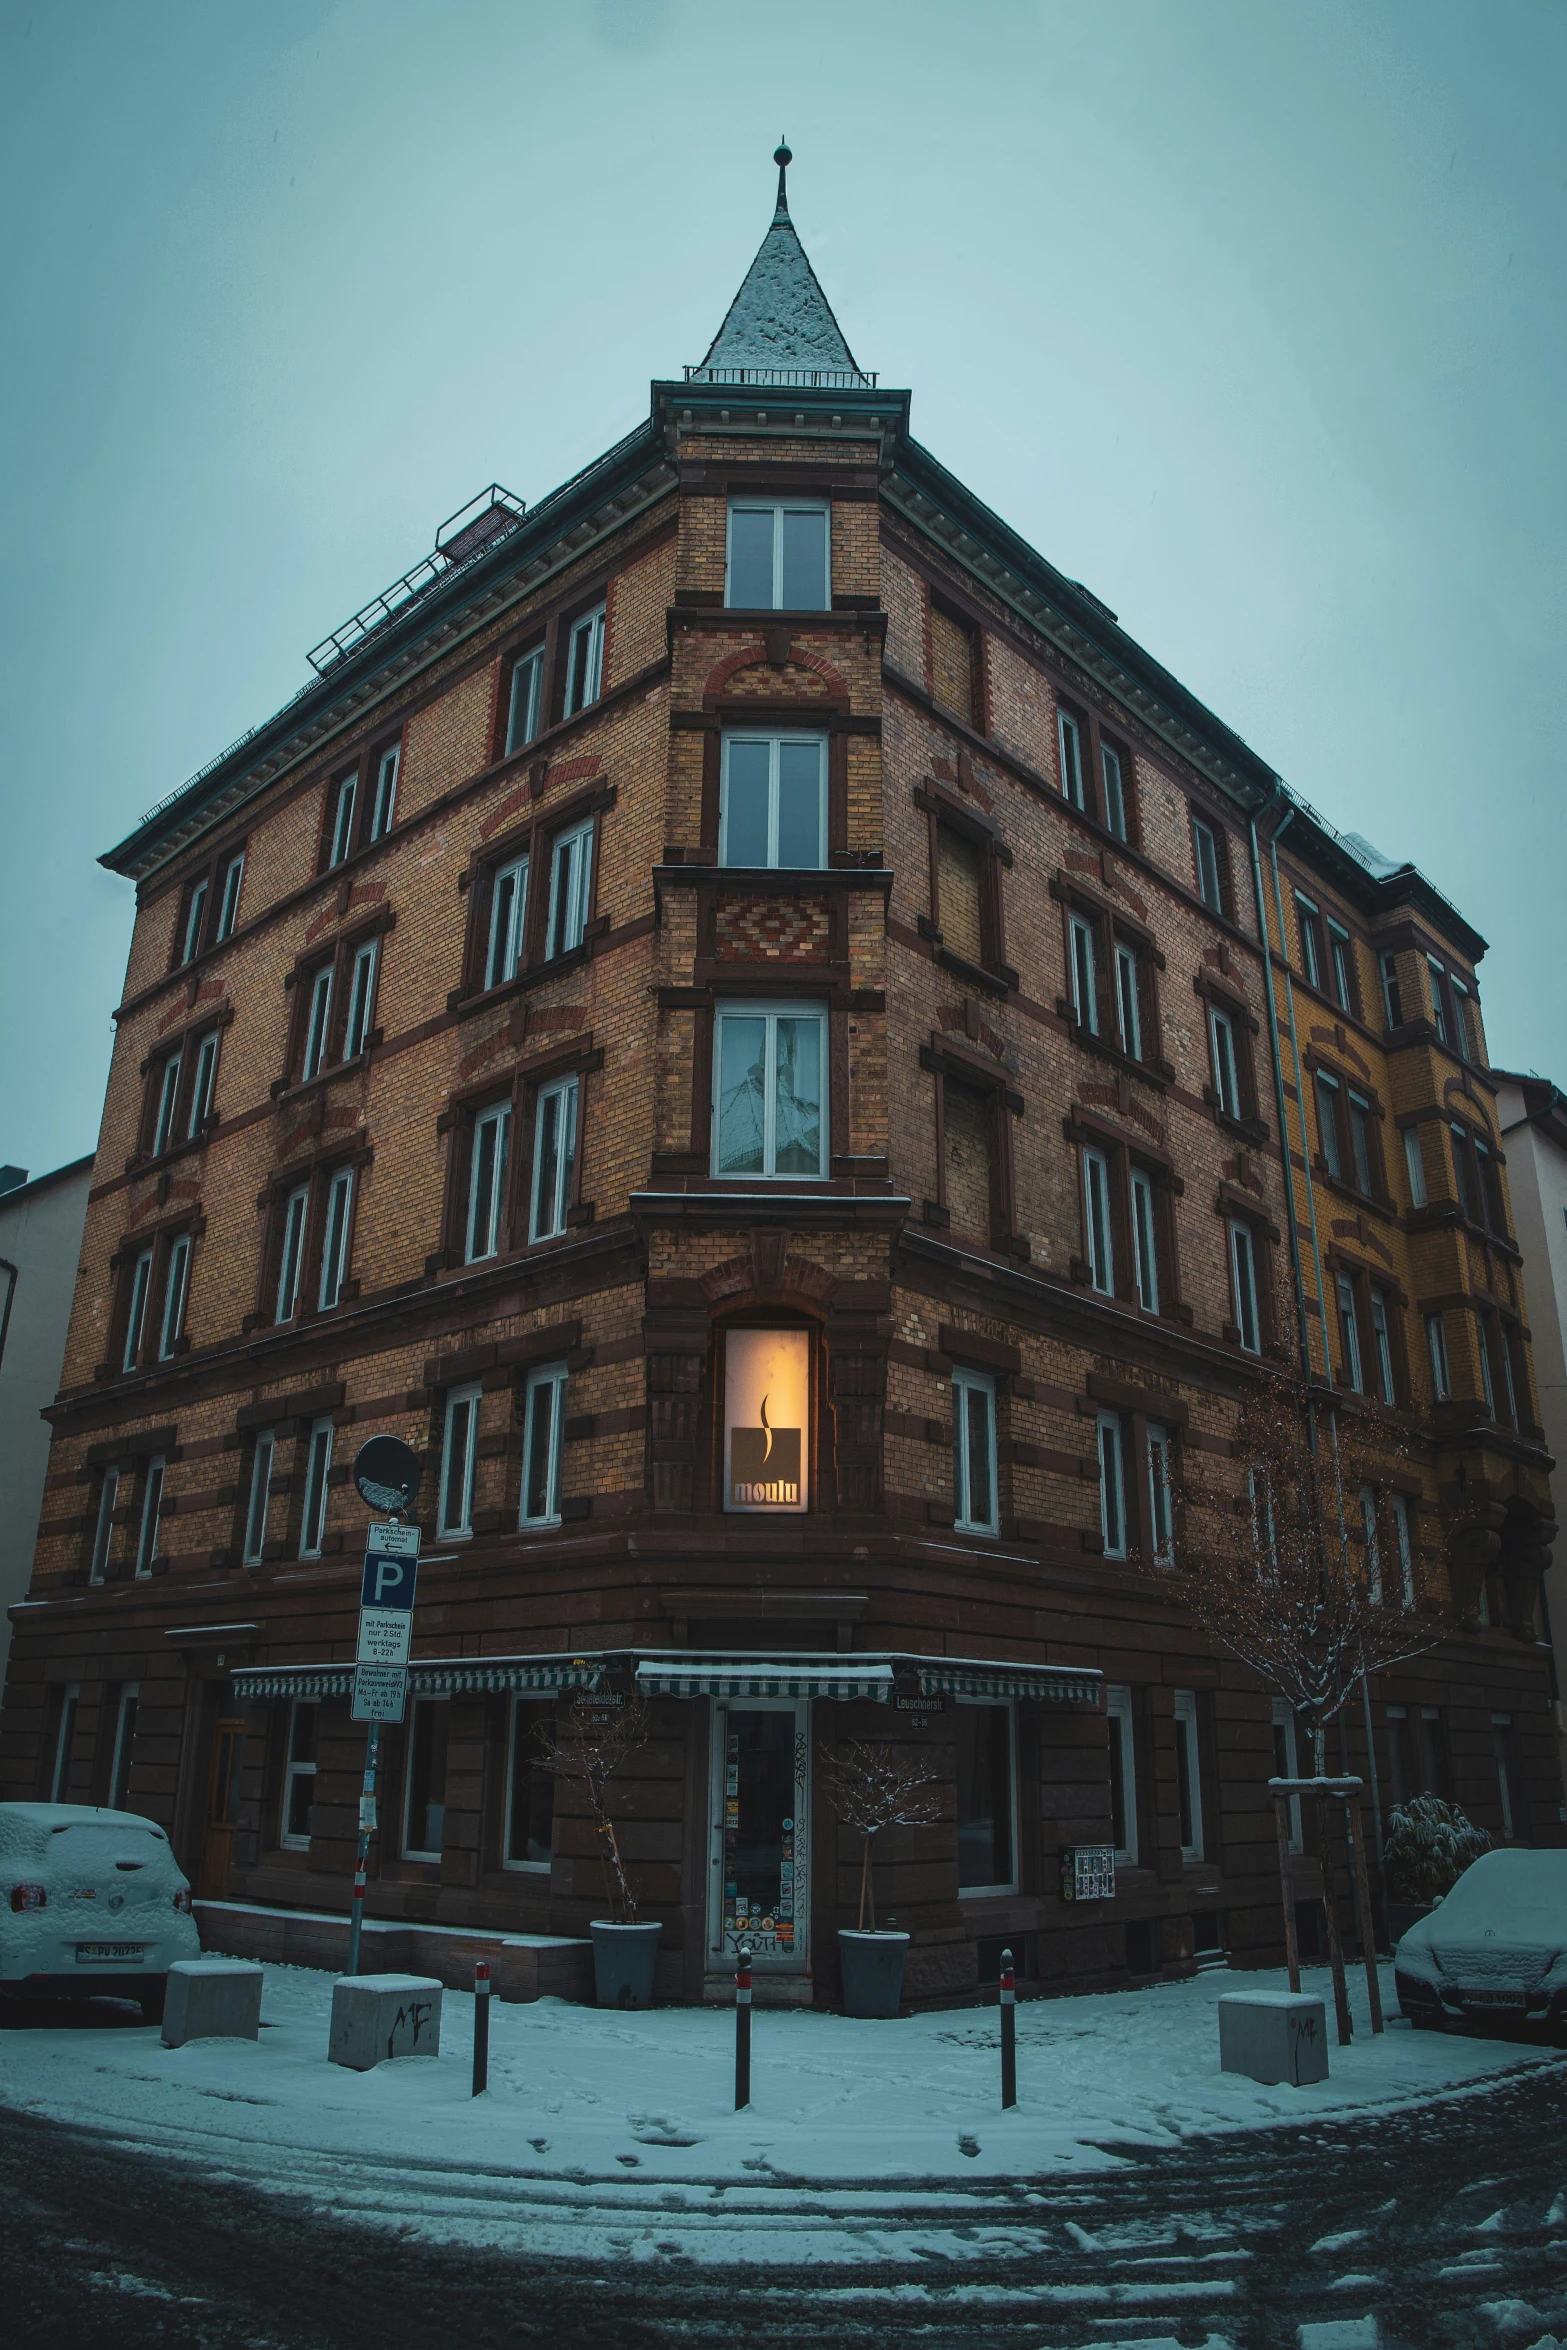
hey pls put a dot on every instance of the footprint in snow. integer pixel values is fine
(967, 2144)
(539, 2145)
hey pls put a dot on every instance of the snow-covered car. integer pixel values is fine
(91, 1902)
(1493, 1948)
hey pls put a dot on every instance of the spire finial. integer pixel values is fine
(783, 158)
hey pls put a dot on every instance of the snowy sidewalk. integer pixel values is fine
(611, 2131)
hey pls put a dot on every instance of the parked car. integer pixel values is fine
(91, 1902)
(1495, 1947)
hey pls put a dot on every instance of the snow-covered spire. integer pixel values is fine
(780, 327)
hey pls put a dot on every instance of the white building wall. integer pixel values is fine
(40, 1245)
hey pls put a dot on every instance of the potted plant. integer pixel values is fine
(870, 1788)
(1429, 1845)
(597, 1739)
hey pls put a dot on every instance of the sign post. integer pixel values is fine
(387, 1473)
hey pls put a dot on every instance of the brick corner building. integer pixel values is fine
(743, 1016)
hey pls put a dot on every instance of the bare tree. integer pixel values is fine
(875, 1787)
(1305, 1572)
(593, 1744)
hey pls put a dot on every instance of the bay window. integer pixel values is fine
(773, 803)
(769, 1105)
(777, 555)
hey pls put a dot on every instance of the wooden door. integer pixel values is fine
(217, 1844)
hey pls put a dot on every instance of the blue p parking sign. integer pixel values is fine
(391, 1566)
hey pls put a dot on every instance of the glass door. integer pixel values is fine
(761, 1796)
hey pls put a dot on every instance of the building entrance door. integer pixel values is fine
(217, 1843)
(760, 1873)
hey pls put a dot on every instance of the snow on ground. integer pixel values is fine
(610, 2132)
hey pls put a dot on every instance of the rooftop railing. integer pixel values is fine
(808, 379)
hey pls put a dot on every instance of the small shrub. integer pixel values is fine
(1429, 1845)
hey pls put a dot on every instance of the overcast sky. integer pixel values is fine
(1249, 315)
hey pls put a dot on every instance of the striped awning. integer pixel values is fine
(437, 1677)
(815, 1676)
(967, 1677)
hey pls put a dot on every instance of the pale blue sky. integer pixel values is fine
(1250, 315)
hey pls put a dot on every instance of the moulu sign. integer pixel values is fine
(767, 1386)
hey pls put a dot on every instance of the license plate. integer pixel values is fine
(1495, 1999)
(110, 1953)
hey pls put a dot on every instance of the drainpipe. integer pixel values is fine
(1278, 1095)
(10, 1272)
(1300, 1097)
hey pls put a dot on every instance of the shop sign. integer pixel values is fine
(767, 1380)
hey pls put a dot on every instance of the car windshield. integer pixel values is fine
(1508, 1890)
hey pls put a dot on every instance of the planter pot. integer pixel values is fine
(623, 1958)
(1401, 1915)
(872, 1971)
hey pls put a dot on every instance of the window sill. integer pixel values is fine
(1256, 1131)
(154, 1162)
(287, 1091)
(1349, 1192)
(465, 1002)
(1003, 980)
(1156, 1073)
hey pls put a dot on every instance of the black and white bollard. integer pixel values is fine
(481, 2026)
(1008, 2032)
(743, 2027)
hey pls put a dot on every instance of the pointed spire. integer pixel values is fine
(780, 327)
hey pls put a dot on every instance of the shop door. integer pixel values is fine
(760, 1873)
(217, 1844)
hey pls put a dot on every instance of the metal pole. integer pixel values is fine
(1346, 2029)
(1368, 1939)
(481, 2026)
(1008, 2032)
(1281, 1820)
(356, 1916)
(743, 2027)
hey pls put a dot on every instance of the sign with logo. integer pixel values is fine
(1088, 1872)
(380, 1693)
(767, 1388)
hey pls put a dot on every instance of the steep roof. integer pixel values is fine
(780, 319)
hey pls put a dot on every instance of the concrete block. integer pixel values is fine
(379, 2016)
(211, 1999)
(1273, 2036)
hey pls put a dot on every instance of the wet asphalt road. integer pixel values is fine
(1443, 2229)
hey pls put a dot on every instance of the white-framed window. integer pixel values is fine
(168, 1096)
(343, 818)
(543, 1438)
(1341, 961)
(1382, 1345)
(1243, 1280)
(1226, 1071)
(1210, 878)
(1392, 996)
(260, 1497)
(1128, 1010)
(201, 1088)
(778, 556)
(1368, 1522)
(487, 1182)
(1436, 1348)
(985, 1766)
(60, 1778)
(1069, 742)
(1085, 977)
(571, 873)
(136, 1308)
(974, 1451)
(1286, 1761)
(175, 1282)
(195, 913)
(1349, 1328)
(1112, 1485)
(1307, 917)
(769, 1094)
(318, 1020)
(383, 801)
(1096, 1222)
(508, 913)
(1114, 790)
(1327, 1124)
(585, 661)
(1161, 1494)
(1440, 1021)
(1188, 1774)
(151, 1512)
(361, 998)
(424, 1789)
(773, 804)
(525, 711)
(1360, 1139)
(554, 1157)
(459, 1454)
(228, 902)
(291, 1254)
(1406, 1554)
(1145, 1240)
(299, 1774)
(103, 1528)
(124, 1745)
(530, 1787)
(1123, 1774)
(1415, 1167)
(318, 1469)
(334, 1243)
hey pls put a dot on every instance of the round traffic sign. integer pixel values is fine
(387, 1473)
